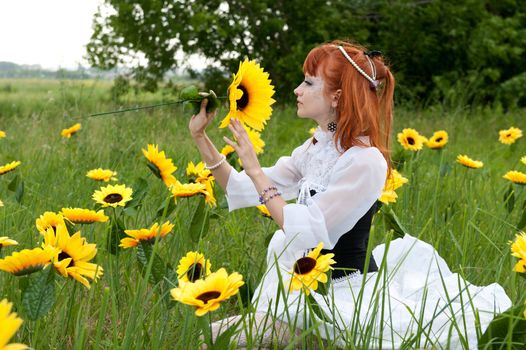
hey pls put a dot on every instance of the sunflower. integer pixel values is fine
(113, 196)
(9, 324)
(71, 131)
(523, 160)
(517, 177)
(518, 249)
(264, 211)
(206, 295)
(9, 167)
(47, 220)
(255, 139)
(2, 134)
(6, 242)
(210, 198)
(510, 135)
(312, 131)
(438, 140)
(410, 139)
(394, 181)
(165, 167)
(250, 96)
(188, 190)
(198, 171)
(468, 162)
(84, 216)
(100, 174)
(74, 255)
(227, 150)
(145, 234)
(27, 261)
(310, 270)
(192, 267)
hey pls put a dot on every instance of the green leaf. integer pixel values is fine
(189, 93)
(115, 235)
(509, 199)
(166, 208)
(39, 295)
(498, 331)
(200, 222)
(392, 222)
(140, 188)
(144, 255)
(17, 185)
(13, 185)
(522, 221)
(154, 170)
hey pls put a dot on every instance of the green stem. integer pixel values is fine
(147, 107)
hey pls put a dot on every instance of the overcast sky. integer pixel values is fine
(52, 33)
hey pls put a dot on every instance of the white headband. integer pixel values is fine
(372, 79)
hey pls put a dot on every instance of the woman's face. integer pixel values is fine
(311, 100)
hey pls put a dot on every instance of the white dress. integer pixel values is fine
(414, 292)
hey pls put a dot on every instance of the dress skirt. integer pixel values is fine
(412, 301)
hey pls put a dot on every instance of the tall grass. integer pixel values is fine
(460, 211)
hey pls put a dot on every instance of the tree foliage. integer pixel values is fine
(455, 50)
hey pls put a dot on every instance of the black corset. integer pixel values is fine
(350, 250)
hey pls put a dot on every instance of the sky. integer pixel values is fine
(51, 33)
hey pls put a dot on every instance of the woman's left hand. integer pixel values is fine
(244, 148)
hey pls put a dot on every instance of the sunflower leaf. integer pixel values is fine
(14, 183)
(115, 235)
(200, 221)
(140, 189)
(145, 257)
(166, 208)
(522, 221)
(39, 295)
(392, 222)
(509, 199)
(154, 170)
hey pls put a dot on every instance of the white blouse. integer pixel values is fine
(347, 185)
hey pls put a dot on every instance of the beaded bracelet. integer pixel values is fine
(268, 189)
(264, 200)
(215, 166)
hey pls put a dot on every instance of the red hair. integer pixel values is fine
(361, 110)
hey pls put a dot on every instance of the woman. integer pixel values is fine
(337, 176)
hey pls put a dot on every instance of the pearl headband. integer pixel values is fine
(372, 80)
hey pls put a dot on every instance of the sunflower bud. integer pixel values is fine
(191, 95)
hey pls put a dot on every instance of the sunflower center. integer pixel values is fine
(243, 101)
(63, 255)
(410, 141)
(113, 198)
(304, 265)
(508, 135)
(439, 139)
(206, 297)
(194, 272)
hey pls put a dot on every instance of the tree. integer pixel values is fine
(468, 50)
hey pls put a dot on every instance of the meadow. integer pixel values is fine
(468, 215)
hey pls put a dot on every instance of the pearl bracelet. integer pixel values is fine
(217, 165)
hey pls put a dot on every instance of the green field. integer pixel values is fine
(462, 212)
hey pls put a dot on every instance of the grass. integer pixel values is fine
(461, 212)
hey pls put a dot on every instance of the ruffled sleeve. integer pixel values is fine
(354, 186)
(241, 192)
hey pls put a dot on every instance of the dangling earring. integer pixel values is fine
(331, 126)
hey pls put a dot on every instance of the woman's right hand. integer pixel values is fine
(201, 120)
